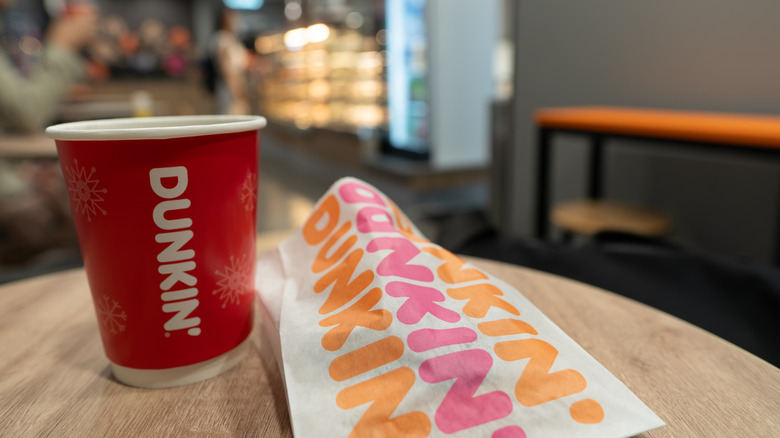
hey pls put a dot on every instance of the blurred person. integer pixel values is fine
(231, 59)
(28, 103)
(34, 215)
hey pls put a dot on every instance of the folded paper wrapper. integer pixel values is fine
(379, 332)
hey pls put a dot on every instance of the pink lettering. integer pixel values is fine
(428, 339)
(460, 409)
(397, 262)
(509, 432)
(420, 301)
(354, 193)
(374, 219)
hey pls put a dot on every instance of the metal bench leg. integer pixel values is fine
(544, 144)
(595, 179)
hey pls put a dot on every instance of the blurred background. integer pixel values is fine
(327, 74)
(433, 102)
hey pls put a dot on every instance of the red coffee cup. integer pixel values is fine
(165, 210)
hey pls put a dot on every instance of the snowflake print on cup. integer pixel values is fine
(249, 191)
(111, 315)
(234, 281)
(84, 192)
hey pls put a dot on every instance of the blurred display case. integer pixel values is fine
(418, 81)
(321, 77)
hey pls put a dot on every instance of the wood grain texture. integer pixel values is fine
(699, 384)
(55, 380)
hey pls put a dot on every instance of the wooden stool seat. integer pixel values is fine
(587, 216)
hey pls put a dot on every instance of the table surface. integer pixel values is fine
(55, 380)
(27, 146)
(733, 129)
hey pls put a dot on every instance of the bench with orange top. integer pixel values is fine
(756, 134)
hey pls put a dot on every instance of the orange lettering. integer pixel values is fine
(386, 391)
(356, 315)
(481, 297)
(504, 327)
(452, 271)
(328, 210)
(587, 411)
(536, 384)
(343, 290)
(366, 358)
(322, 261)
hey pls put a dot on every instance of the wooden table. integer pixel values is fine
(55, 381)
(755, 135)
(27, 146)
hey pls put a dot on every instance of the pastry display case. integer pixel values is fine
(321, 77)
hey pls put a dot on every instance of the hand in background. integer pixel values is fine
(74, 31)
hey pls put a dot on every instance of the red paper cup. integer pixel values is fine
(165, 210)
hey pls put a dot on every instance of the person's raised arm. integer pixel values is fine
(28, 103)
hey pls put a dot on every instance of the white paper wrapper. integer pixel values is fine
(382, 333)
